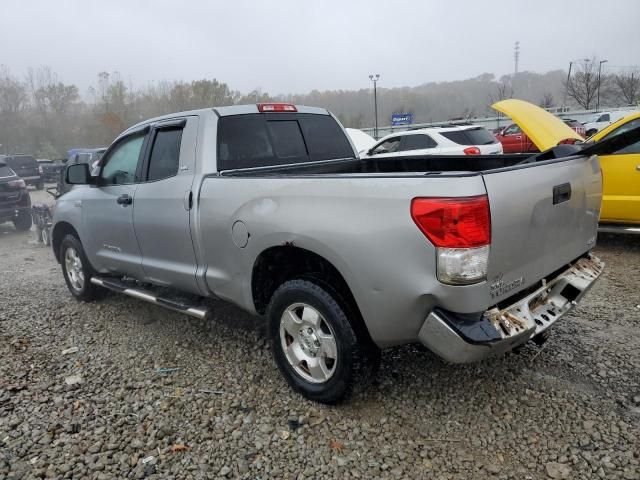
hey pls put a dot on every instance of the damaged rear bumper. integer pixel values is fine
(463, 338)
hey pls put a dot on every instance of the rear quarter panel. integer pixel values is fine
(362, 225)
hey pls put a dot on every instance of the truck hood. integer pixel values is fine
(544, 129)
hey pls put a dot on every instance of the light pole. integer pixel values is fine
(599, 73)
(374, 79)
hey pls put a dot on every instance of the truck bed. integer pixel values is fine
(411, 165)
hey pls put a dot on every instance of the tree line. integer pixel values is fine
(44, 116)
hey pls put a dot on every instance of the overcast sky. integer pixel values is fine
(294, 46)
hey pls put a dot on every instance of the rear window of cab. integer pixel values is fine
(267, 139)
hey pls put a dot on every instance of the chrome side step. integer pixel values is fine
(615, 228)
(121, 287)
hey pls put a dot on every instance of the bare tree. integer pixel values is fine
(628, 85)
(547, 101)
(583, 85)
(13, 94)
(503, 91)
(49, 94)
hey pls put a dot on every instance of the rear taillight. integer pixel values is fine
(17, 183)
(460, 229)
(276, 107)
(471, 151)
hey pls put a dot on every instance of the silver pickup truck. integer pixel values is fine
(269, 207)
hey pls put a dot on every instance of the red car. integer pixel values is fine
(514, 140)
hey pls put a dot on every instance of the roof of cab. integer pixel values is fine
(222, 112)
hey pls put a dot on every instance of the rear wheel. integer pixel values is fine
(23, 221)
(77, 271)
(315, 345)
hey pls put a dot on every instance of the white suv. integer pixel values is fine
(447, 140)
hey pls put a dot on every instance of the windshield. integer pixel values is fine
(5, 171)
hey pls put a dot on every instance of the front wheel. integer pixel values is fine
(77, 271)
(315, 345)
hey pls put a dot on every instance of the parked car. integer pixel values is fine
(621, 180)
(15, 202)
(26, 167)
(514, 140)
(576, 126)
(600, 120)
(50, 169)
(447, 140)
(89, 156)
(275, 212)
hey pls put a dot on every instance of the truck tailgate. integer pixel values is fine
(543, 216)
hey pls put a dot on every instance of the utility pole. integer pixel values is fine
(516, 57)
(599, 76)
(564, 101)
(374, 79)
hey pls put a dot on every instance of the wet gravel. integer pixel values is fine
(123, 389)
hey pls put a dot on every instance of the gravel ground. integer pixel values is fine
(102, 411)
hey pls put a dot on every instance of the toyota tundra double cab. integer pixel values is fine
(269, 207)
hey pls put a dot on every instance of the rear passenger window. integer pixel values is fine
(165, 154)
(417, 142)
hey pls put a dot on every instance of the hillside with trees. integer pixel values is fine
(44, 116)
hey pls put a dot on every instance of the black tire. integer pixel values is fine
(39, 185)
(23, 221)
(84, 290)
(357, 357)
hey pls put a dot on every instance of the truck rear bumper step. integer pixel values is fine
(121, 287)
(516, 323)
(614, 228)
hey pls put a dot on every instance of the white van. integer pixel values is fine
(601, 119)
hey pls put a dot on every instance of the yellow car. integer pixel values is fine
(620, 171)
(621, 179)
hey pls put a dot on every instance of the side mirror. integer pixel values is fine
(78, 174)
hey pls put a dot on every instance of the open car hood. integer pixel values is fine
(543, 129)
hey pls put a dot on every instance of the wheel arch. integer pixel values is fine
(278, 264)
(61, 230)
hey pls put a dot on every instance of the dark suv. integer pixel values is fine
(15, 202)
(26, 167)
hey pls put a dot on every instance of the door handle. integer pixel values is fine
(561, 193)
(124, 199)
